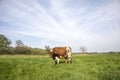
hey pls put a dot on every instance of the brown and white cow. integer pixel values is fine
(58, 52)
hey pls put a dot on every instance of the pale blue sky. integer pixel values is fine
(91, 23)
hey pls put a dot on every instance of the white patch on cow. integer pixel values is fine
(69, 54)
(57, 60)
(68, 51)
(51, 50)
(60, 56)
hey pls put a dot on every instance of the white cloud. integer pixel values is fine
(75, 25)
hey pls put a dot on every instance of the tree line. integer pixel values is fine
(19, 48)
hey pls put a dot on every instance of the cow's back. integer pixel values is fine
(61, 51)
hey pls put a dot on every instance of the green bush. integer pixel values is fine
(22, 50)
(7, 50)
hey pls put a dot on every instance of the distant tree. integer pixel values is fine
(4, 45)
(21, 48)
(4, 41)
(19, 43)
(83, 49)
(47, 48)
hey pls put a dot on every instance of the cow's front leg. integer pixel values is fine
(57, 60)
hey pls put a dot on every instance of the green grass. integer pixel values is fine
(84, 67)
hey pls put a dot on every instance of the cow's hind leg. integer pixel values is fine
(70, 60)
(66, 59)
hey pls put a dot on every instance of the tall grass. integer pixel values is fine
(88, 67)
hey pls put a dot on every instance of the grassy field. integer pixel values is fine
(84, 67)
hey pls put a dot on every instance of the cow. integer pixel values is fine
(61, 52)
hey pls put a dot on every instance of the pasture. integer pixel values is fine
(36, 67)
